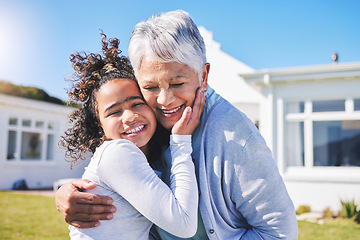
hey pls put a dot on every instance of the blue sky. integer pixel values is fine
(37, 36)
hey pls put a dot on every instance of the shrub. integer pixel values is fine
(303, 209)
(357, 217)
(328, 213)
(350, 210)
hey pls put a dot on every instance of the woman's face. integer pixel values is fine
(123, 114)
(168, 88)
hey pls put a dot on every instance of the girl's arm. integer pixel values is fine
(173, 209)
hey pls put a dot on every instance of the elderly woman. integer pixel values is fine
(242, 195)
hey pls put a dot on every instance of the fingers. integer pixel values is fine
(186, 116)
(81, 208)
(90, 209)
(199, 102)
(83, 184)
(88, 215)
(191, 116)
(88, 220)
(89, 198)
(198, 107)
(85, 224)
(181, 126)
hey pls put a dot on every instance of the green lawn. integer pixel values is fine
(27, 217)
(333, 229)
(35, 217)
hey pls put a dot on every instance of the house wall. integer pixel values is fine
(265, 102)
(318, 187)
(37, 173)
(224, 78)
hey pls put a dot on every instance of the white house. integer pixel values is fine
(224, 78)
(310, 118)
(30, 133)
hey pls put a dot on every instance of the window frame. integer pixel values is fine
(309, 172)
(44, 133)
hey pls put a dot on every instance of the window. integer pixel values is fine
(295, 107)
(30, 146)
(357, 104)
(26, 122)
(322, 133)
(30, 140)
(13, 121)
(328, 106)
(336, 143)
(295, 148)
(11, 151)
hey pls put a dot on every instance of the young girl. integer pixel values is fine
(117, 125)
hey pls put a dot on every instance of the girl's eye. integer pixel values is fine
(138, 104)
(114, 113)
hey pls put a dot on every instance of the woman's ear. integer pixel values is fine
(204, 76)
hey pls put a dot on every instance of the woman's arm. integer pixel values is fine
(271, 212)
(173, 209)
(81, 209)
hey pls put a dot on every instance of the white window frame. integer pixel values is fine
(309, 172)
(44, 132)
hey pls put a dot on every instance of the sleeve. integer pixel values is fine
(252, 189)
(124, 168)
(261, 195)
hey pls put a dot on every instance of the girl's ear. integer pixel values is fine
(204, 76)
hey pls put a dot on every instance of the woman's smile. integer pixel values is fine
(171, 112)
(168, 88)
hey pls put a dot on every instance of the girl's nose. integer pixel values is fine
(130, 116)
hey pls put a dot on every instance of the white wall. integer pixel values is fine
(225, 80)
(38, 174)
(318, 187)
(321, 195)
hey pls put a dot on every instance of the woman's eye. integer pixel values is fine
(177, 84)
(150, 88)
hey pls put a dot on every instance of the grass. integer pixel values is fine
(332, 229)
(30, 217)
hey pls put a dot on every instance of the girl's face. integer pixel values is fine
(123, 114)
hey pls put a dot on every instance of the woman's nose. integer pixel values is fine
(165, 97)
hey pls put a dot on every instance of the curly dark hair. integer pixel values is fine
(91, 71)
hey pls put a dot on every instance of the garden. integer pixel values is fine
(26, 217)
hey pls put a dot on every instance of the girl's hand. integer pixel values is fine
(190, 118)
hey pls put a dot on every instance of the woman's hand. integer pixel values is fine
(81, 209)
(190, 118)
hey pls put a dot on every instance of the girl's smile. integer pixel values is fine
(123, 113)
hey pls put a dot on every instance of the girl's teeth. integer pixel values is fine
(135, 130)
(171, 111)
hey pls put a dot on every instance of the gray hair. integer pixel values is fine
(168, 37)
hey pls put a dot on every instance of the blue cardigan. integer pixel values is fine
(242, 195)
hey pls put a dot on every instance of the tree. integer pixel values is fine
(28, 92)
